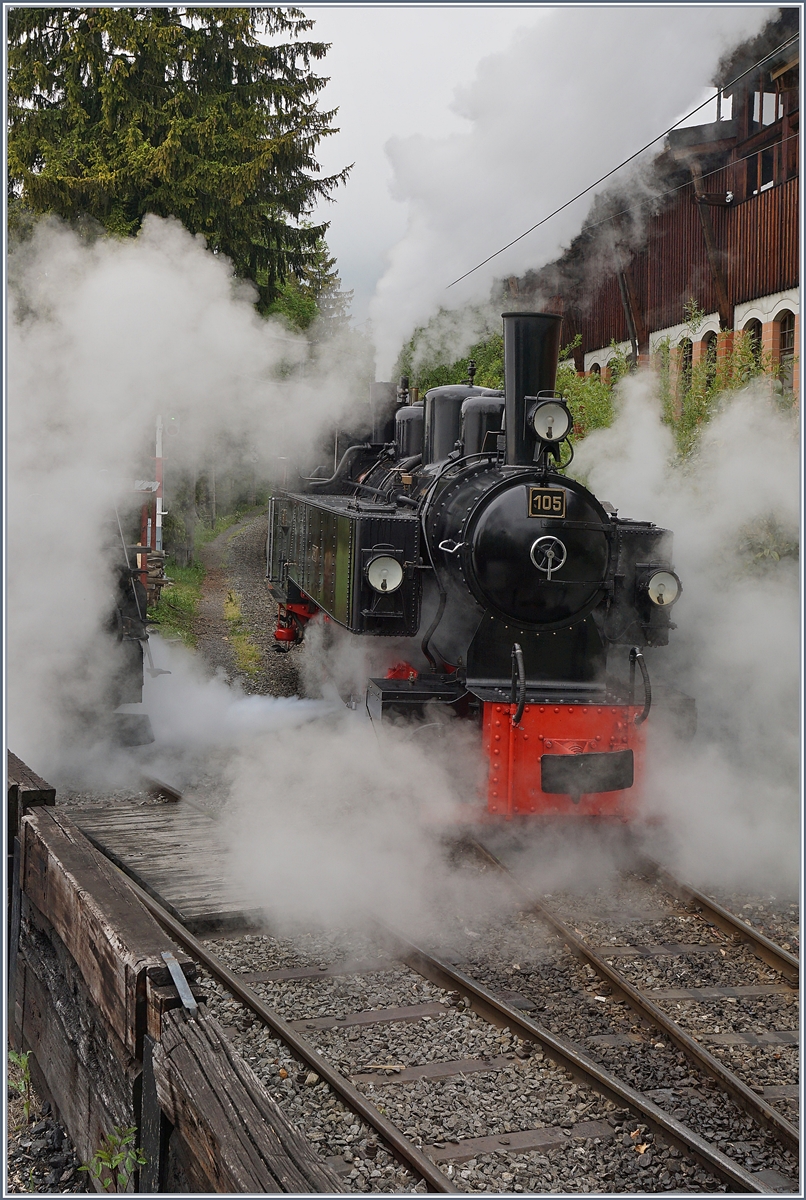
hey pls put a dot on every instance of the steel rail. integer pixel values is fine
(763, 947)
(401, 1147)
(575, 1061)
(784, 1131)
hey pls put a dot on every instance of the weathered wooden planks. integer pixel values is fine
(115, 943)
(25, 790)
(86, 1070)
(176, 853)
(238, 1137)
(92, 1000)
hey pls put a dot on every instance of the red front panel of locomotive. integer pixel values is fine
(515, 753)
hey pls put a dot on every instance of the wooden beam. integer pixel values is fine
(714, 257)
(114, 941)
(238, 1137)
(635, 308)
(87, 1072)
(155, 1128)
(636, 325)
(25, 790)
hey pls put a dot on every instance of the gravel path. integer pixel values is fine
(236, 561)
(41, 1157)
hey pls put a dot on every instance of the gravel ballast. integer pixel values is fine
(528, 1093)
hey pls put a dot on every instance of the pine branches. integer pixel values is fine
(116, 113)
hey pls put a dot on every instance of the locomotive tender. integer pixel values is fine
(505, 583)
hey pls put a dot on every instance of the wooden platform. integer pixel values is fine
(176, 853)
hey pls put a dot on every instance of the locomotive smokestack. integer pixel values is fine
(383, 400)
(531, 354)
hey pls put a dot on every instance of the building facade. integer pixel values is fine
(710, 245)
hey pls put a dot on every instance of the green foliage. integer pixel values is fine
(116, 1159)
(314, 295)
(488, 355)
(764, 542)
(693, 316)
(22, 1082)
(248, 657)
(590, 400)
(618, 364)
(566, 352)
(295, 302)
(114, 113)
(689, 399)
(175, 613)
(206, 533)
(689, 402)
(178, 605)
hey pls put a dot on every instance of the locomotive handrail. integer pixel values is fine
(637, 656)
(344, 463)
(518, 666)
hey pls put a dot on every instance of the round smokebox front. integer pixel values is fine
(539, 554)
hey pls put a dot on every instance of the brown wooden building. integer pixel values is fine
(713, 221)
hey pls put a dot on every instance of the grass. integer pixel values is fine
(178, 605)
(176, 612)
(248, 657)
(208, 533)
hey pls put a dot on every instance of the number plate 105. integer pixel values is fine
(546, 502)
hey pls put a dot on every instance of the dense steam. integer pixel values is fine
(104, 335)
(325, 812)
(730, 798)
(570, 99)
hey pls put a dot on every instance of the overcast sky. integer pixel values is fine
(393, 72)
(467, 123)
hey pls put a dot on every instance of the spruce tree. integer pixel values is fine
(119, 112)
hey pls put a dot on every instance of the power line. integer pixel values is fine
(584, 192)
(670, 191)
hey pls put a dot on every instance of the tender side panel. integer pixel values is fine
(324, 547)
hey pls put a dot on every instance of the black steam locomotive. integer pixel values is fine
(506, 584)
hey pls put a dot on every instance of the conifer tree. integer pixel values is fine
(119, 112)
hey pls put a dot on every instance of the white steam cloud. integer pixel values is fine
(729, 801)
(103, 336)
(570, 99)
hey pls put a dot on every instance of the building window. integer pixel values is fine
(761, 171)
(709, 342)
(596, 369)
(765, 108)
(786, 348)
(753, 332)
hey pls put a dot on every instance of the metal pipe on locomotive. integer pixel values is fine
(455, 531)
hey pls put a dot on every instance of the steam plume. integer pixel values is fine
(570, 98)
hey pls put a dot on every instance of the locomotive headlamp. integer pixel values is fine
(384, 573)
(663, 588)
(551, 421)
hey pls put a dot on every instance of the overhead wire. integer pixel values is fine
(783, 46)
(679, 188)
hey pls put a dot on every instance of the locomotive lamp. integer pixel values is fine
(550, 420)
(384, 573)
(663, 588)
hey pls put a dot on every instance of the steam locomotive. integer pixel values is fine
(507, 585)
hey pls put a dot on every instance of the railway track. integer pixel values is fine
(414, 1072)
(670, 990)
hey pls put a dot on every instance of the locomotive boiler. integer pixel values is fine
(513, 595)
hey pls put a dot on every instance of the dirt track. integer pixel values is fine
(236, 561)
